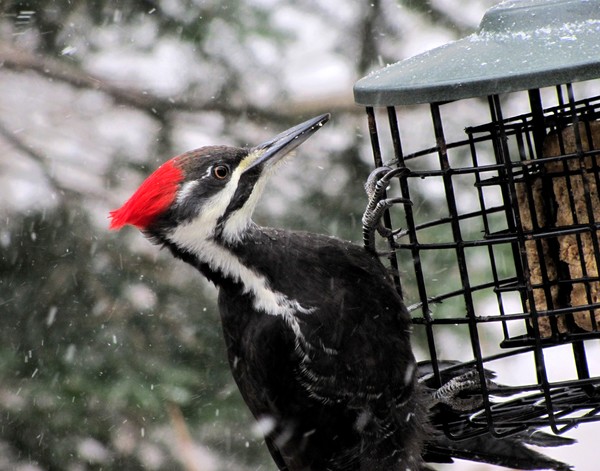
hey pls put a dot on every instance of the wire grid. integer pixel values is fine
(504, 278)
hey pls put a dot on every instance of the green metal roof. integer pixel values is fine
(519, 45)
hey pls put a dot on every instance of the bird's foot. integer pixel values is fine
(462, 393)
(375, 187)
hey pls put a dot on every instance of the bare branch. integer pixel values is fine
(21, 146)
(148, 102)
(20, 60)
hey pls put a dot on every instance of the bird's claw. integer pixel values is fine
(378, 203)
(467, 384)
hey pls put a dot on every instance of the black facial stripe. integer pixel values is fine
(243, 191)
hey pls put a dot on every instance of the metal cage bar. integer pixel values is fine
(521, 174)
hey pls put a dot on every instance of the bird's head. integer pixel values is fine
(208, 193)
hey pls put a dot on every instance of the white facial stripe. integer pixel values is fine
(249, 159)
(186, 189)
(197, 238)
(214, 208)
(238, 221)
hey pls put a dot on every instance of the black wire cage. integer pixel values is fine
(499, 134)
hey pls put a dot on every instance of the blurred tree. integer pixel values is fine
(111, 355)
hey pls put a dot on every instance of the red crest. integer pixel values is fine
(152, 198)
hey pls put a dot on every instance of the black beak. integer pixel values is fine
(282, 144)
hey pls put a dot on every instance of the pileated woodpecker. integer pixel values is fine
(317, 336)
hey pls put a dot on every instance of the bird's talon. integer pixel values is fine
(374, 177)
(375, 187)
(469, 382)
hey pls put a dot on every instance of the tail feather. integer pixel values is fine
(508, 452)
(511, 451)
(539, 438)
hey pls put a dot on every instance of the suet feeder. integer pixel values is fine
(499, 133)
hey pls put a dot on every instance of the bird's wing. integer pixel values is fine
(358, 339)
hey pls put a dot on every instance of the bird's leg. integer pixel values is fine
(375, 187)
(449, 392)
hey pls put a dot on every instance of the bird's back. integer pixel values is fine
(332, 374)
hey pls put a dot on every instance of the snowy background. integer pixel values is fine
(110, 352)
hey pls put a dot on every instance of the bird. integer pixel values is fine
(318, 338)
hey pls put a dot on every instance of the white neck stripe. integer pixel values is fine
(194, 239)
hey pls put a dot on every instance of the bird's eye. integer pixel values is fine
(220, 172)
